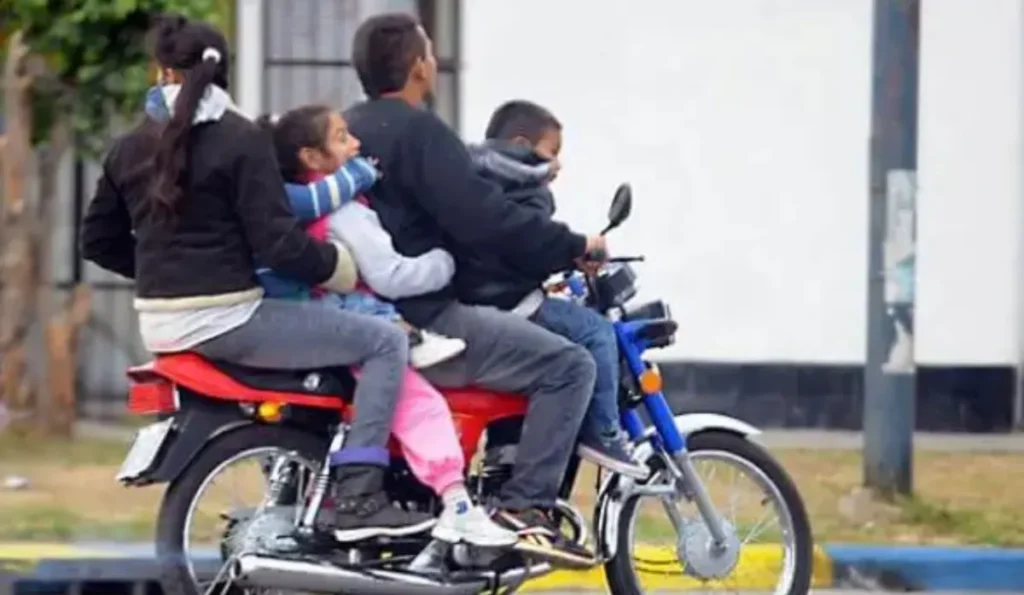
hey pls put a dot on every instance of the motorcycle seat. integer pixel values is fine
(336, 382)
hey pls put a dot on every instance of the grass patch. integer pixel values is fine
(16, 448)
(54, 523)
(973, 526)
(960, 498)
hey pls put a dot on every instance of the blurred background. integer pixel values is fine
(743, 126)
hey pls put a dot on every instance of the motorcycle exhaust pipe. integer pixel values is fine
(255, 571)
(513, 578)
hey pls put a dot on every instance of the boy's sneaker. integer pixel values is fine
(611, 452)
(538, 537)
(363, 511)
(428, 349)
(463, 521)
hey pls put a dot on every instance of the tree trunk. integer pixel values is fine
(62, 322)
(18, 257)
(26, 296)
(62, 360)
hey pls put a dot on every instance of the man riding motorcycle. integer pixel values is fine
(431, 197)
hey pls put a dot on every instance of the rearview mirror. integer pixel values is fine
(622, 203)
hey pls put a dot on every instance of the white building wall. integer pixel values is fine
(743, 126)
(970, 157)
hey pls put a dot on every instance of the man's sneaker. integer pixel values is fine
(463, 521)
(361, 510)
(538, 537)
(611, 453)
(428, 349)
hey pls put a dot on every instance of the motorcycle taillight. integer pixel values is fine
(152, 396)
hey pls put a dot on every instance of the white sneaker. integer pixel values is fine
(434, 349)
(465, 522)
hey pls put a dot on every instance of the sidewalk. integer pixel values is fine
(924, 441)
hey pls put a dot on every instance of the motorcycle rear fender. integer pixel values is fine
(609, 500)
(195, 426)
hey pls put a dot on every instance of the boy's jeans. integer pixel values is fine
(586, 327)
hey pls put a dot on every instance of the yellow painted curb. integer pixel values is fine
(24, 557)
(759, 568)
(34, 552)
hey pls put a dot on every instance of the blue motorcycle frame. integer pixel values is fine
(666, 439)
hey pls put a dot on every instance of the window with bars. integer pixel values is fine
(308, 51)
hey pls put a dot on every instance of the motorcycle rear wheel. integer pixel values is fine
(176, 572)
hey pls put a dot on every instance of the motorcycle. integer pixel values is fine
(214, 414)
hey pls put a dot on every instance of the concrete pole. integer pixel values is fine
(890, 372)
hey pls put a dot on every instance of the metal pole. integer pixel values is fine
(889, 374)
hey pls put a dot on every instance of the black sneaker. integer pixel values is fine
(538, 537)
(611, 453)
(361, 510)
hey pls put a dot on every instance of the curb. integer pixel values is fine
(924, 568)
(878, 567)
(758, 569)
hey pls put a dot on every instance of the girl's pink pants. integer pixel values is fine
(424, 428)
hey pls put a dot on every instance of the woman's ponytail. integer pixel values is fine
(197, 51)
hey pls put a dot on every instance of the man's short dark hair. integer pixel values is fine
(521, 118)
(384, 50)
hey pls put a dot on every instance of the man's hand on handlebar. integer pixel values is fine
(597, 249)
(595, 256)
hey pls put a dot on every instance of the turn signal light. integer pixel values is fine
(270, 413)
(650, 381)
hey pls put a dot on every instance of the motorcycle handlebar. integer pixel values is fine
(602, 256)
(595, 256)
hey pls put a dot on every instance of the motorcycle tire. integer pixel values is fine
(175, 576)
(619, 570)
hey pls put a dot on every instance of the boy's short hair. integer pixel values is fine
(521, 118)
(384, 51)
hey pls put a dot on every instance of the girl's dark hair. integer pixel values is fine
(301, 128)
(180, 44)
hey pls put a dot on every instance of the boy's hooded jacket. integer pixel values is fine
(486, 279)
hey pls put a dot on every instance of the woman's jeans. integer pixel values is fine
(304, 335)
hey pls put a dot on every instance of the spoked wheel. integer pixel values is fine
(206, 516)
(769, 549)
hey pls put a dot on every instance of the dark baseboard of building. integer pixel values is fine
(949, 399)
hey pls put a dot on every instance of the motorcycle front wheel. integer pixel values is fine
(191, 530)
(652, 555)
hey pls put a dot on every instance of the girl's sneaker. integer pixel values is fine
(463, 521)
(427, 349)
(611, 452)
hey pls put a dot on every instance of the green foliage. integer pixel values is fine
(95, 52)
